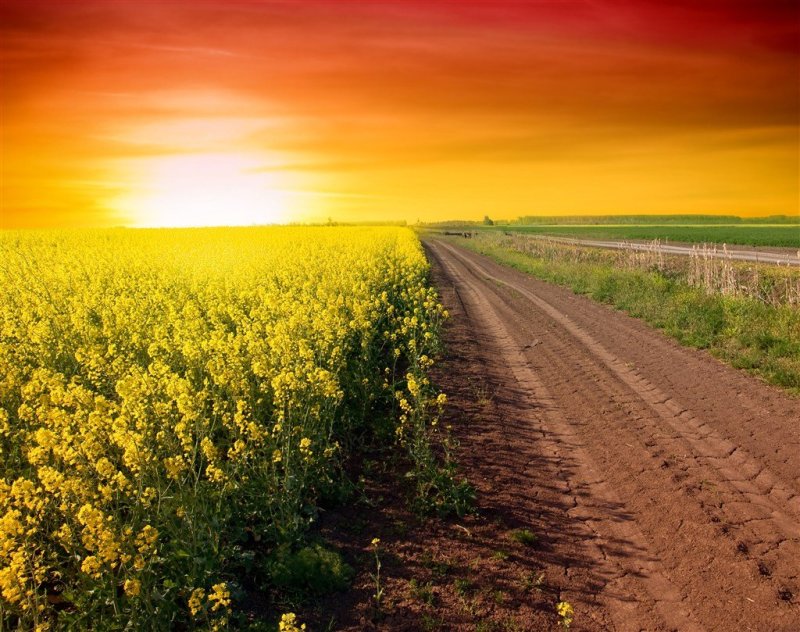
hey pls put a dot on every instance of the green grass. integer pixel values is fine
(310, 571)
(525, 537)
(742, 234)
(682, 219)
(744, 332)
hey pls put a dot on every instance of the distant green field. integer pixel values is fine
(744, 234)
(584, 220)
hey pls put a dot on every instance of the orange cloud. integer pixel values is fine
(405, 110)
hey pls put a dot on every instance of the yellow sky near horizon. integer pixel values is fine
(211, 112)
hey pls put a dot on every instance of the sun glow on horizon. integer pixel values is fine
(203, 190)
(263, 111)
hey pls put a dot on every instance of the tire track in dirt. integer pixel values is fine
(598, 506)
(741, 470)
(708, 531)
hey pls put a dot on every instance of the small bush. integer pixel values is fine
(440, 491)
(309, 571)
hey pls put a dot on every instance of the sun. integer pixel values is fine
(203, 190)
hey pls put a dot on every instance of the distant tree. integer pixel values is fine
(487, 221)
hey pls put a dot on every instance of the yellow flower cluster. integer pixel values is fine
(163, 392)
(566, 613)
(288, 623)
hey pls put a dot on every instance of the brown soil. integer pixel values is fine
(663, 486)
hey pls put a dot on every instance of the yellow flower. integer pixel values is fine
(105, 468)
(277, 456)
(132, 587)
(91, 566)
(567, 613)
(175, 466)
(375, 541)
(209, 450)
(196, 600)
(305, 448)
(220, 596)
(288, 623)
(11, 583)
(412, 384)
(215, 474)
(46, 438)
(146, 540)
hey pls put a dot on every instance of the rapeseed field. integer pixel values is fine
(174, 402)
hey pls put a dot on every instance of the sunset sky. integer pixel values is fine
(238, 112)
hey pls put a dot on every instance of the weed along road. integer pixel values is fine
(679, 476)
(779, 256)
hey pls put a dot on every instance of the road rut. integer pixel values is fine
(681, 475)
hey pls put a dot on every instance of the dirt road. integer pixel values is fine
(672, 481)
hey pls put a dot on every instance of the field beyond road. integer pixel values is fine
(764, 235)
(678, 474)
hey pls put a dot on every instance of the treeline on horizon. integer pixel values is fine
(532, 220)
